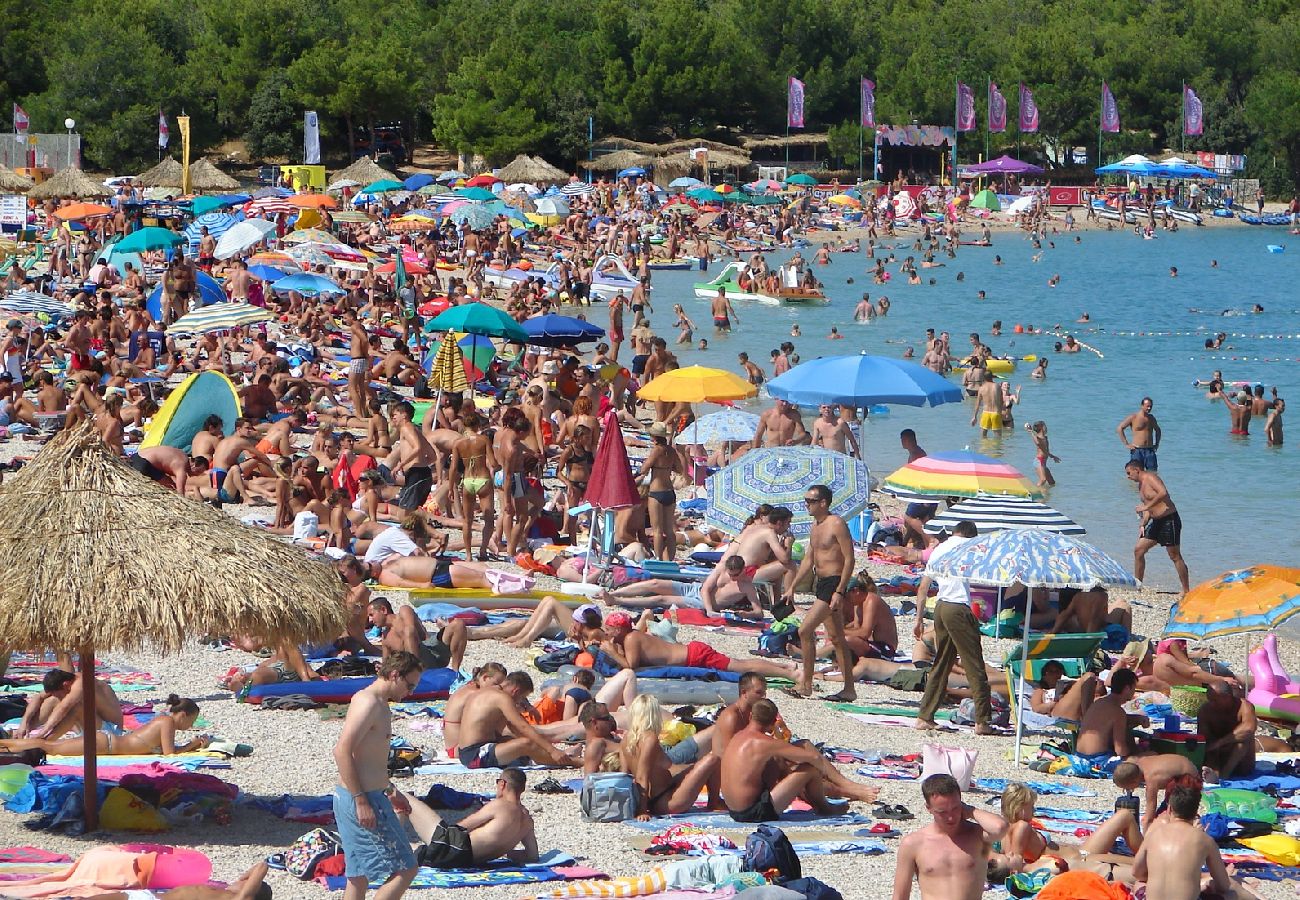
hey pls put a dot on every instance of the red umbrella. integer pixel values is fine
(412, 268)
(484, 181)
(610, 484)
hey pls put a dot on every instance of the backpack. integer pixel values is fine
(608, 797)
(813, 889)
(550, 663)
(304, 854)
(768, 848)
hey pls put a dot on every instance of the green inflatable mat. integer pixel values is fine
(886, 710)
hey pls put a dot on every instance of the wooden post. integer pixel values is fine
(89, 732)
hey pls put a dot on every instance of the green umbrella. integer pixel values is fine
(479, 318)
(706, 195)
(201, 205)
(475, 193)
(986, 199)
(382, 186)
(801, 179)
(151, 238)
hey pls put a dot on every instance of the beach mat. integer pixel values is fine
(445, 768)
(434, 685)
(545, 869)
(910, 712)
(811, 842)
(718, 820)
(701, 619)
(189, 761)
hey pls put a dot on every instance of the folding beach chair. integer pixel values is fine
(1025, 664)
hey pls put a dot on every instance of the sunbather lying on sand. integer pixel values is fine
(249, 886)
(156, 736)
(286, 664)
(56, 710)
(632, 649)
(727, 587)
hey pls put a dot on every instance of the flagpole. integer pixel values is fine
(862, 114)
(1182, 119)
(1101, 115)
(988, 114)
(956, 128)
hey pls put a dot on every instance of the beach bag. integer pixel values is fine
(965, 714)
(813, 889)
(608, 797)
(775, 643)
(602, 663)
(955, 761)
(403, 760)
(768, 849)
(553, 661)
(303, 854)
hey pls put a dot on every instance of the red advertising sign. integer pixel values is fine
(1066, 196)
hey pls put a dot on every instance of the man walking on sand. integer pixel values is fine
(830, 556)
(948, 857)
(956, 635)
(374, 841)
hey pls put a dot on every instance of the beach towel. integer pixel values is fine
(998, 785)
(445, 768)
(188, 761)
(493, 873)
(721, 821)
(889, 773)
(32, 855)
(701, 619)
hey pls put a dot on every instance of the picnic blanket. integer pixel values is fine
(551, 867)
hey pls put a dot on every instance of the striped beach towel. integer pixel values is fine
(653, 882)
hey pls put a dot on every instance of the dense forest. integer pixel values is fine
(498, 77)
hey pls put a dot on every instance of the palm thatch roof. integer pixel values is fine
(619, 159)
(532, 169)
(166, 174)
(204, 176)
(12, 181)
(365, 171)
(71, 182)
(793, 140)
(98, 557)
(717, 159)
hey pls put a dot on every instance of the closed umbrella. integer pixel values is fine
(220, 317)
(861, 381)
(998, 513)
(724, 426)
(1258, 598)
(610, 486)
(560, 331)
(243, 235)
(779, 476)
(305, 283)
(697, 384)
(959, 474)
(447, 369)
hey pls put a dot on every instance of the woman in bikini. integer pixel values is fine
(660, 465)
(1025, 848)
(158, 736)
(486, 677)
(660, 792)
(574, 465)
(472, 457)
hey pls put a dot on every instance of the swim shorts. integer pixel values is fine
(638, 363)
(722, 323)
(761, 810)
(826, 587)
(434, 653)
(688, 594)
(442, 575)
(1166, 531)
(448, 848)
(1144, 455)
(419, 482)
(484, 756)
(145, 468)
(376, 854)
(991, 421)
(700, 655)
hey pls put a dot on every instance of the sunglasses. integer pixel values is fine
(811, 500)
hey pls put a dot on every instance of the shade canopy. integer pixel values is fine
(553, 330)
(779, 476)
(1033, 558)
(166, 174)
(220, 317)
(71, 182)
(1003, 165)
(150, 238)
(363, 171)
(998, 513)
(860, 381)
(480, 319)
(12, 181)
(697, 384)
(723, 426)
(1259, 598)
(205, 176)
(959, 474)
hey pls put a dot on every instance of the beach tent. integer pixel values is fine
(210, 291)
(182, 414)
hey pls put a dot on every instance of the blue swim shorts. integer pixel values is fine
(374, 854)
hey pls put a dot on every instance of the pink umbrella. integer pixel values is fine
(610, 485)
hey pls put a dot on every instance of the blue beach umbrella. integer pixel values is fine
(476, 217)
(685, 181)
(417, 181)
(266, 273)
(719, 427)
(632, 172)
(861, 381)
(217, 224)
(560, 331)
(210, 291)
(779, 476)
(308, 284)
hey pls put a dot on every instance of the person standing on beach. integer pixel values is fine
(1146, 435)
(948, 857)
(374, 841)
(1160, 522)
(830, 556)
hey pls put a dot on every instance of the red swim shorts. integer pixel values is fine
(701, 655)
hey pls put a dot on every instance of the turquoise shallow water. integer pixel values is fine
(1237, 498)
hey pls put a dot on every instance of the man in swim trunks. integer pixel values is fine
(633, 649)
(358, 365)
(493, 733)
(1160, 522)
(167, 466)
(1228, 724)
(989, 405)
(497, 829)
(780, 426)
(1103, 732)
(415, 458)
(728, 587)
(949, 857)
(403, 631)
(374, 841)
(1146, 435)
(723, 312)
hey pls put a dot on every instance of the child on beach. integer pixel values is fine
(1038, 431)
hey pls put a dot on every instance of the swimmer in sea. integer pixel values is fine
(1273, 424)
(981, 296)
(1040, 370)
(1214, 264)
(1054, 281)
(1173, 271)
(1084, 317)
(834, 335)
(997, 260)
(1071, 345)
(794, 330)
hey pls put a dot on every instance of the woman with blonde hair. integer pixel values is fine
(660, 791)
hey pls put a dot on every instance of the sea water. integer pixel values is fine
(1237, 497)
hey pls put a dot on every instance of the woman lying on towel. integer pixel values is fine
(157, 736)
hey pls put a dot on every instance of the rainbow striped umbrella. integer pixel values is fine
(1259, 598)
(959, 473)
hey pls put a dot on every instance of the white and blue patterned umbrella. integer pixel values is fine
(217, 223)
(719, 427)
(31, 303)
(780, 476)
(477, 217)
(1033, 558)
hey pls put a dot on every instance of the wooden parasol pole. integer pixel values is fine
(89, 733)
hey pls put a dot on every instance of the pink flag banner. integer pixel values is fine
(164, 133)
(794, 104)
(21, 122)
(1193, 112)
(1028, 111)
(997, 109)
(965, 108)
(868, 103)
(1109, 110)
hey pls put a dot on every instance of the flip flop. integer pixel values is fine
(791, 692)
(838, 698)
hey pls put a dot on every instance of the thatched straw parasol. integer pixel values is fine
(619, 159)
(365, 171)
(717, 159)
(531, 169)
(166, 174)
(71, 182)
(99, 558)
(12, 181)
(204, 176)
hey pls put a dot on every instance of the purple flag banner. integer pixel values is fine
(794, 104)
(997, 109)
(1193, 112)
(1028, 111)
(965, 108)
(1109, 110)
(868, 103)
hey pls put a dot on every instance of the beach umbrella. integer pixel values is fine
(706, 195)
(578, 189)
(780, 476)
(446, 368)
(861, 381)
(553, 330)
(986, 199)
(308, 255)
(476, 217)
(266, 273)
(697, 384)
(152, 238)
(217, 224)
(481, 319)
(725, 189)
(75, 212)
(307, 235)
(201, 205)
(100, 559)
(305, 283)
(1035, 559)
(997, 513)
(631, 172)
(382, 186)
(479, 355)
(269, 206)
(274, 258)
(724, 426)
(220, 317)
(413, 267)
(959, 473)
(474, 193)
(210, 291)
(686, 181)
(844, 200)
(33, 303)
(243, 235)
(484, 180)
(451, 175)
(313, 201)
(801, 179)
(552, 206)
(340, 184)
(432, 190)
(1258, 598)
(417, 181)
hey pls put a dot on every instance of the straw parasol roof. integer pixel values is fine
(531, 169)
(717, 159)
(166, 174)
(204, 176)
(793, 140)
(12, 181)
(619, 159)
(71, 182)
(365, 171)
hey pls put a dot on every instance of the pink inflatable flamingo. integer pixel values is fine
(1274, 693)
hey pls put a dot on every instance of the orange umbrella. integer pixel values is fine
(412, 268)
(74, 211)
(1258, 598)
(313, 201)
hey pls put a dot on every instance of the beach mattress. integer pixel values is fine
(474, 598)
(434, 685)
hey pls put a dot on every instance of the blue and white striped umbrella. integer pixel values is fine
(217, 224)
(220, 317)
(578, 189)
(1033, 558)
(31, 303)
(999, 513)
(780, 476)
(719, 427)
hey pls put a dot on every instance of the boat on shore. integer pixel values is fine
(729, 281)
